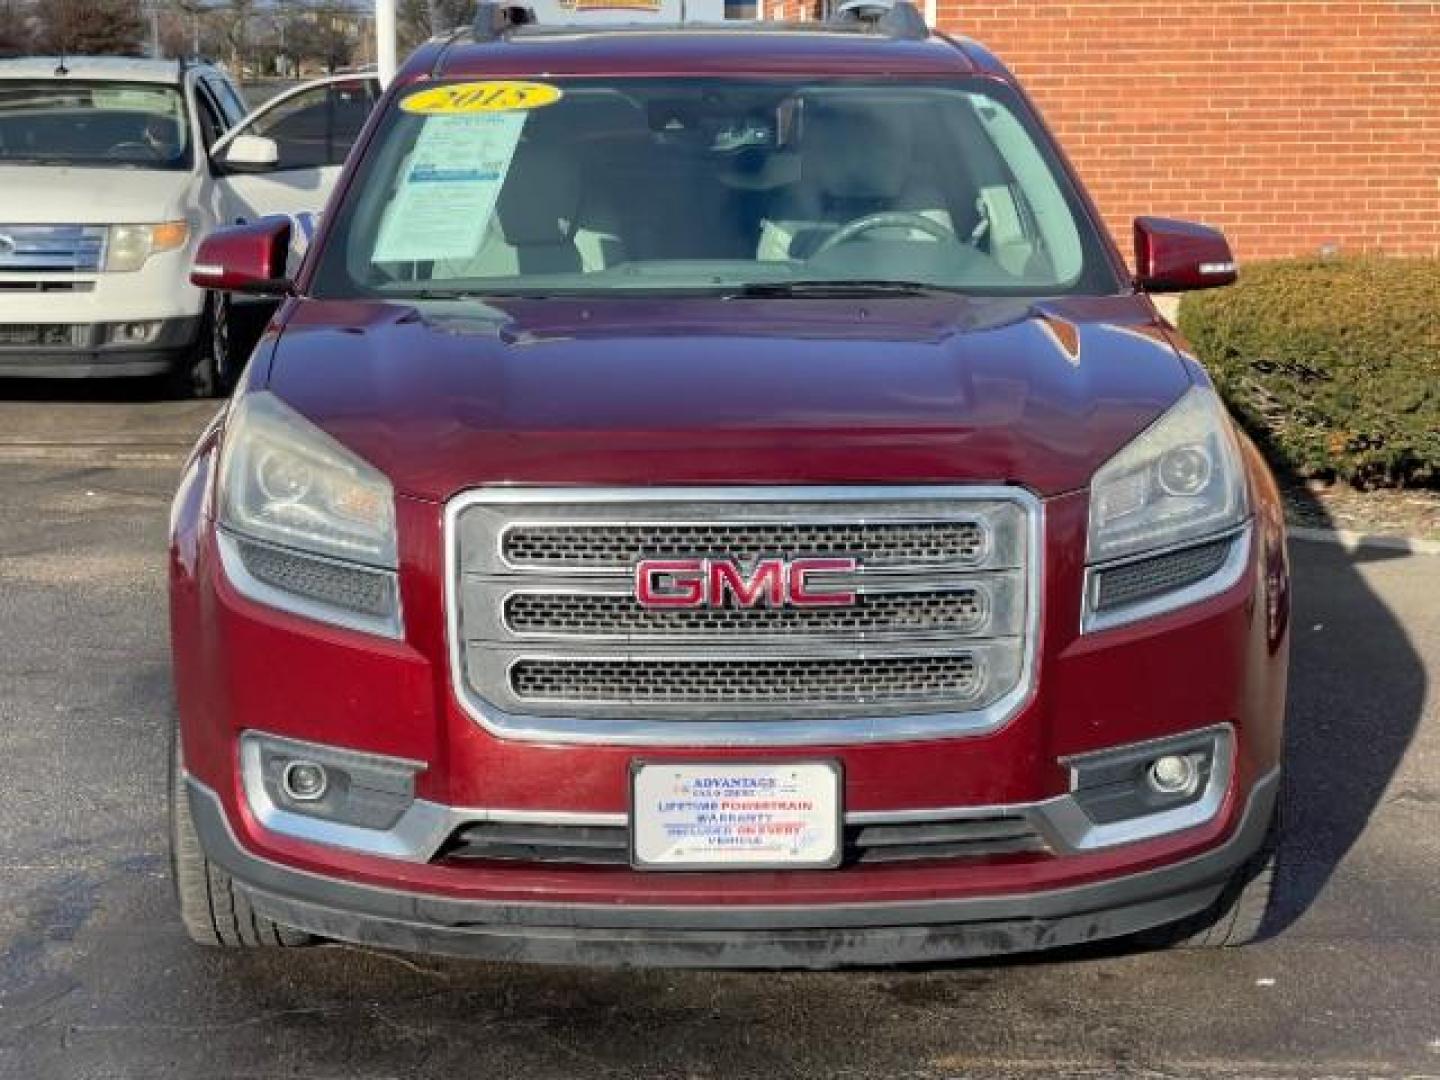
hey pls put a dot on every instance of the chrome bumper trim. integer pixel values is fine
(419, 833)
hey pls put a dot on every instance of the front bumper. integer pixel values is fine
(737, 935)
(96, 358)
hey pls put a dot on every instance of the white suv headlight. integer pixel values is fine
(305, 525)
(1168, 507)
(129, 246)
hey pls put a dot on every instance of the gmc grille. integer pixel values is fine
(545, 623)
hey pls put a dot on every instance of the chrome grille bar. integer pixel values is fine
(964, 609)
(888, 606)
(730, 683)
(549, 642)
(612, 545)
(45, 335)
(51, 248)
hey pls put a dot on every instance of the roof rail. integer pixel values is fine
(493, 20)
(895, 18)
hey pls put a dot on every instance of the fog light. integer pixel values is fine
(1156, 777)
(1173, 774)
(287, 778)
(305, 781)
(133, 333)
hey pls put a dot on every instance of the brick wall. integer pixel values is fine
(1291, 124)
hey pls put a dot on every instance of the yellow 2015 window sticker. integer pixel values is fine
(481, 97)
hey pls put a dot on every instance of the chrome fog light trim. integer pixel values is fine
(416, 835)
(367, 803)
(1086, 819)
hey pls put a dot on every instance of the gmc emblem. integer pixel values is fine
(695, 583)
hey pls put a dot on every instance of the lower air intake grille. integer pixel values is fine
(58, 335)
(608, 845)
(1120, 586)
(879, 680)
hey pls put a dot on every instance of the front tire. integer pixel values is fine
(213, 911)
(209, 370)
(1239, 916)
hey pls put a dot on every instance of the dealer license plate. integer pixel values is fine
(723, 815)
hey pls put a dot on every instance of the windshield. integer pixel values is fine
(109, 124)
(591, 186)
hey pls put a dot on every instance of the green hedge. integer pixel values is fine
(1334, 364)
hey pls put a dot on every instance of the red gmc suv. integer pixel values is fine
(716, 496)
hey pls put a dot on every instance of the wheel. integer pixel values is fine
(1238, 917)
(213, 911)
(209, 371)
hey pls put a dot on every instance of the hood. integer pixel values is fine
(708, 391)
(56, 195)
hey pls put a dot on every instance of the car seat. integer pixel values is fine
(854, 161)
(546, 221)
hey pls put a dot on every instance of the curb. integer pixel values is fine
(1359, 541)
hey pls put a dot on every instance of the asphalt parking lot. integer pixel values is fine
(97, 980)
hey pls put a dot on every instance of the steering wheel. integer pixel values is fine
(885, 219)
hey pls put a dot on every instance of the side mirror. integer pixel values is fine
(1177, 256)
(252, 153)
(245, 259)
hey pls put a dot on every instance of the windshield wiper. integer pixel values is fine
(474, 296)
(843, 288)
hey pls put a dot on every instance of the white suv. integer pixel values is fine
(112, 171)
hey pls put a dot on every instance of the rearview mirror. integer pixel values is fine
(245, 259)
(1178, 256)
(252, 153)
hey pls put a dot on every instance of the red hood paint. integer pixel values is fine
(442, 397)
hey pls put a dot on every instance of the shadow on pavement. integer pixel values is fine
(106, 391)
(1357, 692)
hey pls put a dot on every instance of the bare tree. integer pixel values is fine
(16, 30)
(90, 26)
(326, 31)
(183, 31)
(420, 19)
(233, 26)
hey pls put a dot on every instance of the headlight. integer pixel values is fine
(1166, 515)
(305, 524)
(1179, 480)
(128, 246)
